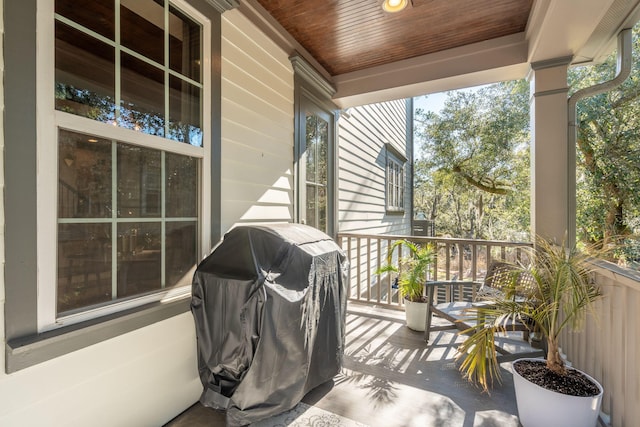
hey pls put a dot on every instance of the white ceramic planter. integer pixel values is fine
(416, 314)
(539, 407)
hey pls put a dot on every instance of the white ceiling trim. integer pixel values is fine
(587, 30)
(462, 81)
(438, 71)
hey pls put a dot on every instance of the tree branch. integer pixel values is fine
(493, 189)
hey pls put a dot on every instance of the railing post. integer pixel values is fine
(461, 262)
(368, 268)
(474, 268)
(358, 270)
(378, 281)
(400, 298)
(447, 261)
(390, 258)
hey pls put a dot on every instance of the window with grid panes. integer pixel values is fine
(395, 184)
(129, 96)
(316, 153)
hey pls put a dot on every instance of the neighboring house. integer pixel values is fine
(375, 165)
(152, 148)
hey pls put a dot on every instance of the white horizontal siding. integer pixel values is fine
(362, 134)
(254, 129)
(143, 378)
(257, 126)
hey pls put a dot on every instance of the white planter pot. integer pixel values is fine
(416, 314)
(539, 407)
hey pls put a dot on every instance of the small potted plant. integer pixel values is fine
(412, 273)
(547, 392)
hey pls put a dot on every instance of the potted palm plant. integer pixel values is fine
(547, 391)
(412, 273)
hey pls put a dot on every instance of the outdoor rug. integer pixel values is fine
(304, 415)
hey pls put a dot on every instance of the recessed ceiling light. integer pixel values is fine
(394, 5)
(92, 140)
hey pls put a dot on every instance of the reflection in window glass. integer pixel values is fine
(85, 75)
(142, 27)
(181, 182)
(84, 176)
(317, 145)
(322, 208)
(139, 182)
(99, 17)
(84, 265)
(139, 258)
(311, 205)
(322, 145)
(184, 44)
(104, 256)
(142, 106)
(312, 138)
(185, 121)
(181, 252)
(158, 94)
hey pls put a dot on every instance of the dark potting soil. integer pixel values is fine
(574, 383)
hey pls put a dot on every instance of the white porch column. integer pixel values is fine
(549, 151)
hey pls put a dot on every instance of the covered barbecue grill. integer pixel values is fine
(269, 305)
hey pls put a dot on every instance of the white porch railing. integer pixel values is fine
(461, 259)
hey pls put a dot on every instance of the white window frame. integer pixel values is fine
(395, 181)
(49, 121)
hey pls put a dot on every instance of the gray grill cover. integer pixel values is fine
(269, 305)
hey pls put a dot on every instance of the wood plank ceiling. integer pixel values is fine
(352, 35)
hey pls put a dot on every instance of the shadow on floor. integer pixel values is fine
(392, 378)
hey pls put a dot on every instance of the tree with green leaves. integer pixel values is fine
(472, 178)
(608, 153)
(472, 167)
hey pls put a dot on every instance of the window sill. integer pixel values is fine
(396, 211)
(28, 351)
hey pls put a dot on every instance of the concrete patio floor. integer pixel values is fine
(392, 378)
